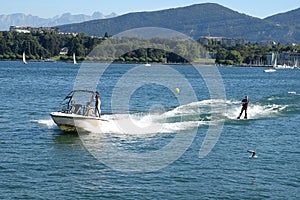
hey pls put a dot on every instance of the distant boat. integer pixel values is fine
(270, 70)
(24, 58)
(284, 66)
(74, 59)
(280, 66)
(289, 67)
(276, 66)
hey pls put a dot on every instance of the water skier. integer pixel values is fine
(245, 103)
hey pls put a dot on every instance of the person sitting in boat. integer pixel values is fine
(75, 108)
(72, 110)
(245, 103)
(88, 110)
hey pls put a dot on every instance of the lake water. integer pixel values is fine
(38, 161)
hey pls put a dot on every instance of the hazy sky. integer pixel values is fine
(47, 9)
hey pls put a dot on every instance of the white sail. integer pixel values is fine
(147, 64)
(74, 59)
(296, 64)
(275, 63)
(24, 58)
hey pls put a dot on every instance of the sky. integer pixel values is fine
(48, 9)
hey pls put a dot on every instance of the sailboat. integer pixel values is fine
(147, 64)
(275, 63)
(24, 58)
(296, 63)
(272, 69)
(74, 59)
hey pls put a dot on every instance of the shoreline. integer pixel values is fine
(137, 63)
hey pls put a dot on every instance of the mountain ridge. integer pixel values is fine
(206, 19)
(291, 17)
(195, 21)
(21, 19)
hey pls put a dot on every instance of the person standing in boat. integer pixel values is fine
(97, 105)
(245, 103)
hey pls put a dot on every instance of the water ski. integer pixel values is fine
(240, 117)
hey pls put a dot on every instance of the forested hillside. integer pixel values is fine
(194, 21)
(134, 50)
(37, 46)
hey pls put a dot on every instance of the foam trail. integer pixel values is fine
(183, 118)
(47, 122)
(144, 125)
(180, 119)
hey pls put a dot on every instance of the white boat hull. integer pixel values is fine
(71, 122)
(269, 70)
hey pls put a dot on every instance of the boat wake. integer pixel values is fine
(49, 123)
(194, 115)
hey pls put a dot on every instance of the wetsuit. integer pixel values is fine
(97, 106)
(245, 103)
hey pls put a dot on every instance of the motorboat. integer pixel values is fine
(75, 112)
(270, 70)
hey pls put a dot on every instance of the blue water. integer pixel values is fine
(38, 161)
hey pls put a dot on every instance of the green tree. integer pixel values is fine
(235, 56)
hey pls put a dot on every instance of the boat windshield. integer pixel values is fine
(76, 101)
